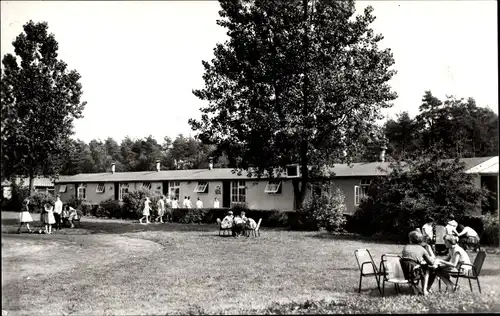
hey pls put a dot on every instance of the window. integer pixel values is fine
(146, 185)
(122, 191)
(158, 189)
(62, 188)
(292, 171)
(361, 191)
(100, 188)
(238, 191)
(366, 181)
(174, 189)
(273, 187)
(82, 191)
(202, 187)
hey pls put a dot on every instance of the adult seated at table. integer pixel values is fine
(467, 236)
(415, 251)
(228, 221)
(448, 266)
(451, 226)
(239, 226)
(428, 230)
(70, 215)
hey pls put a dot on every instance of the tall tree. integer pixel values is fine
(297, 82)
(402, 135)
(40, 99)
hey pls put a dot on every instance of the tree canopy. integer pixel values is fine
(297, 82)
(40, 99)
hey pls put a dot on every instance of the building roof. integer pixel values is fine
(37, 182)
(489, 166)
(340, 170)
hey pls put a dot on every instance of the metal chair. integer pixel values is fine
(223, 230)
(439, 246)
(367, 267)
(472, 274)
(255, 231)
(392, 272)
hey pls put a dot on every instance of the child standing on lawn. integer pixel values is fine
(146, 211)
(25, 216)
(49, 218)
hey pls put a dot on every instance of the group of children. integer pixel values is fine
(50, 215)
(237, 223)
(465, 234)
(165, 205)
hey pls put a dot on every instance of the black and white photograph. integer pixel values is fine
(249, 157)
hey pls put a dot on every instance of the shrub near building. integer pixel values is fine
(399, 202)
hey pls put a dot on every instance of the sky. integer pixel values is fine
(140, 61)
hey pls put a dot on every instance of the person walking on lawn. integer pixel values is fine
(58, 208)
(146, 211)
(25, 216)
(188, 203)
(161, 209)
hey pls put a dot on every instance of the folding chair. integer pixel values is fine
(255, 231)
(223, 230)
(367, 267)
(392, 272)
(472, 274)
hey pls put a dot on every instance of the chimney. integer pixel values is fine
(210, 163)
(113, 167)
(383, 148)
(157, 165)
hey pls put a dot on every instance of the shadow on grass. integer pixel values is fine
(352, 237)
(96, 226)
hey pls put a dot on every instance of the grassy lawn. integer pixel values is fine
(109, 267)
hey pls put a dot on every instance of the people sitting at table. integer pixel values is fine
(239, 226)
(415, 251)
(456, 256)
(467, 236)
(228, 221)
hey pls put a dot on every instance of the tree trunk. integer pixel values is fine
(31, 184)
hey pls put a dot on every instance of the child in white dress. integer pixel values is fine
(146, 211)
(25, 216)
(49, 218)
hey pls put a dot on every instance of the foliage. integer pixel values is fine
(133, 202)
(459, 127)
(296, 82)
(111, 208)
(491, 233)
(40, 99)
(38, 200)
(399, 202)
(327, 207)
(15, 203)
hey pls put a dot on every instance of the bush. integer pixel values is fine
(491, 230)
(110, 208)
(400, 202)
(327, 208)
(133, 203)
(15, 203)
(38, 200)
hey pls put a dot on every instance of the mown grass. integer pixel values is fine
(119, 267)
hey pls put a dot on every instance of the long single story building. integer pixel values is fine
(40, 184)
(229, 187)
